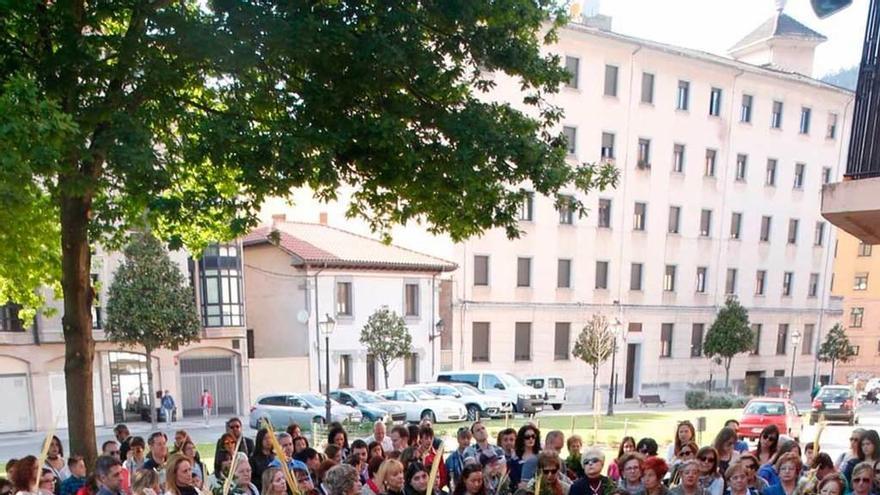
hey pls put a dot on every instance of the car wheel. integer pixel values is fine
(429, 415)
(473, 412)
(557, 407)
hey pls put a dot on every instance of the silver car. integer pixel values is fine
(303, 409)
(478, 403)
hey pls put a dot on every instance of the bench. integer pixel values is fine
(649, 400)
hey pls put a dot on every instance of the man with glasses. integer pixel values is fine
(233, 427)
(593, 483)
(111, 448)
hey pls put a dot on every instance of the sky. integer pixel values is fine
(716, 25)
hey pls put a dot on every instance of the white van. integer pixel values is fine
(551, 387)
(500, 384)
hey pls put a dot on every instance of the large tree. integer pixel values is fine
(836, 348)
(150, 304)
(386, 337)
(729, 335)
(593, 346)
(196, 112)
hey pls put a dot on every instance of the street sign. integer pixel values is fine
(825, 8)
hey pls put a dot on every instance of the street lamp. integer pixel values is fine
(616, 329)
(438, 331)
(795, 340)
(327, 326)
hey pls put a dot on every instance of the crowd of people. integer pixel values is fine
(399, 462)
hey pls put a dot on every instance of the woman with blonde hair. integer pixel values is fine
(390, 477)
(788, 467)
(178, 478)
(273, 482)
(145, 482)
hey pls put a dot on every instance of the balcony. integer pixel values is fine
(854, 206)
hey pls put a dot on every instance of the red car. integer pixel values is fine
(763, 411)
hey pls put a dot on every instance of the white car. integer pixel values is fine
(478, 404)
(552, 387)
(421, 404)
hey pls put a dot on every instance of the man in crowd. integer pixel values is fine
(158, 443)
(507, 442)
(109, 474)
(380, 437)
(427, 453)
(481, 436)
(456, 460)
(111, 448)
(123, 436)
(77, 477)
(233, 427)
(399, 438)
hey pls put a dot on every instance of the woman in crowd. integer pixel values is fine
(471, 481)
(788, 467)
(199, 473)
(390, 478)
(647, 447)
(768, 471)
(300, 443)
(342, 480)
(243, 475)
(653, 470)
(262, 455)
(689, 476)
(145, 482)
(738, 480)
(227, 445)
(627, 445)
(294, 430)
(55, 460)
(832, 485)
(553, 481)
(574, 469)
(710, 480)
(416, 479)
(273, 482)
(684, 434)
(862, 479)
(687, 452)
(631, 480)
(767, 443)
(321, 473)
(24, 476)
(374, 449)
(48, 482)
(593, 483)
(339, 437)
(725, 441)
(750, 464)
(333, 453)
(178, 478)
(868, 451)
(370, 486)
(527, 446)
(855, 438)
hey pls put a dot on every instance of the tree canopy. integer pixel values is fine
(836, 348)
(729, 335)
(386, 337)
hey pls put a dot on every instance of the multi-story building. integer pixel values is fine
(32, 354)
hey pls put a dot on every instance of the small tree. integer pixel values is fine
(836, 348)
(149, 304)
(385, 336)
(594, 346)
(729, 335)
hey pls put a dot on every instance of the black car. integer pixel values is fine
(835, 403)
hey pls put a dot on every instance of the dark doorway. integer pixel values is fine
(754, 383)
(632, 357)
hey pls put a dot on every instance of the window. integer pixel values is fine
(710, 163)
(666, 340)
(856, 350)
(634, 327)
(570, 134)
(766, 223)
(635, 276)
(730, 283)
(601, 274)
(756, 333)
(683, 95)
(608, 146)
(561, 341)
(781, 339)
(702, 276)
(669, 279)
(480, 342)
(411, 368)
(644, 153)
(481, 270)
(220, 272)
(572, 66)
(807, 339)
(813, 289)
(831, 133)
(566, 213)
(776, 115)
(742, 163)
(647, 87)
(605, 213)
(736, 225)
(527, 207)
(760, 282)
(563, 274)
(861, 281)
(705, 223)
(787, 283)
(523, 272)
(523, 341)
(345, 370)
(745, 111)
(819, 234)
(610, 80)
(343, 299)
(674, 216)
(805, 120)
(855, 317)
(697, 339)
(793, 224)
(865, 249)
(826, 175)
(715, 102)
(770, 179)
(9, 318)
(678, 158)
(411, 300)
(97, 309)
(799, 175)
(640, 213)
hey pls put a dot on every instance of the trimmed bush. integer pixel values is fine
(700, 399)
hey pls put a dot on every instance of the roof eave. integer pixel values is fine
(382, 265)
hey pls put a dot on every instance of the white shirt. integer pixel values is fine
(387, 446)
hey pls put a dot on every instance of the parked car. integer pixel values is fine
(421, 404)
(371, 405)
(300, 408)
(553, 388)
(478, 404)
(499, 384)
(835, 403)
(763, 411)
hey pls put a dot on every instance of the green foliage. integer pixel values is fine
(836, 347)
(729, 335)
(386, 336)
(149, 302)
(700, 399)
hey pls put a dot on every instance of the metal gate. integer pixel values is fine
(219, 375)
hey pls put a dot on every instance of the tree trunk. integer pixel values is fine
(727, 375)
(831, 380)
(79, 346)
(150, 389)
(595, 386)
(385, 372)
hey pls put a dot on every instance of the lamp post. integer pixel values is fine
(327, 326)
(795, 339)
(438, 331)
(615, 333)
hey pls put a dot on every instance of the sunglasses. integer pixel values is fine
(861, 480)
(772, 438)
(706, 458)
(685, 453)
(550, 471)
(592, 460)
(529, 437)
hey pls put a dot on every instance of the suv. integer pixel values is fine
(501, 384)
(553, 388)
(835, 403)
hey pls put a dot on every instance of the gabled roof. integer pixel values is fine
(319, 245)
(779, 26)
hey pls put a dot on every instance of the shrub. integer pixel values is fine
(700, 399)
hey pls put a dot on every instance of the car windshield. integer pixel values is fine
(313, 400)
(536, 382)
(834, 394)
(555, 383)
(766, 408)
(423, 394)
(366, 397)
(510, 380)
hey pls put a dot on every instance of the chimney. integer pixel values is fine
(322, 218)
(278, 218)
